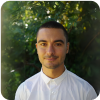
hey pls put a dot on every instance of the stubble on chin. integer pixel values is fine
(52, 66)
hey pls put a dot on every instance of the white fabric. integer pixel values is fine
(68, 86)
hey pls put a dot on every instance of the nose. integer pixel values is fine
(50, 50)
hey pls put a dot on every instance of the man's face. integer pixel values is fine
(51, 47)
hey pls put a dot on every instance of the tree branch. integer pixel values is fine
(33, 65)
(90, 42)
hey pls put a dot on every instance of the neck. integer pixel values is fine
(53, 73)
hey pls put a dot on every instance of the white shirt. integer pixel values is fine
(68, 86)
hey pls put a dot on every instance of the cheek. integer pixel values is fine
(40, 51)
(61, 50)
(63, 53)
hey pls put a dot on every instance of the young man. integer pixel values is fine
(54, 81)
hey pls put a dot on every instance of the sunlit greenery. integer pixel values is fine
(20, 22)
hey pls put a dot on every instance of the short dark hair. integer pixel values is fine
(54, 24)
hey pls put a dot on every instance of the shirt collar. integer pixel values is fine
(57, 80)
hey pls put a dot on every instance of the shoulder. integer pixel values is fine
(28, 83)
(32, 78)
(78, 80)
(81, 85)
(24, 89)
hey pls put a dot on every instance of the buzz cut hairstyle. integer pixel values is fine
(54, 24)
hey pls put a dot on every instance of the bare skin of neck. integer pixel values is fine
(53, 73)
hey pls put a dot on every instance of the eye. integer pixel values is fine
(58, 44)
(43, 44)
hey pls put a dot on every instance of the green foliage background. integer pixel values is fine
(20, 22)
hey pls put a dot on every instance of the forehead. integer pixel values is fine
(50, 33)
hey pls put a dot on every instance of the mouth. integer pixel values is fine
(51, 58)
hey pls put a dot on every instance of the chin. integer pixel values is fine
(51, 66)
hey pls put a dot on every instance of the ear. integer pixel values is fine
(36, 47)
(67, 47)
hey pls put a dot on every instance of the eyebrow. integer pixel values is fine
(59, 41)
(54, 41)
(42, 41)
